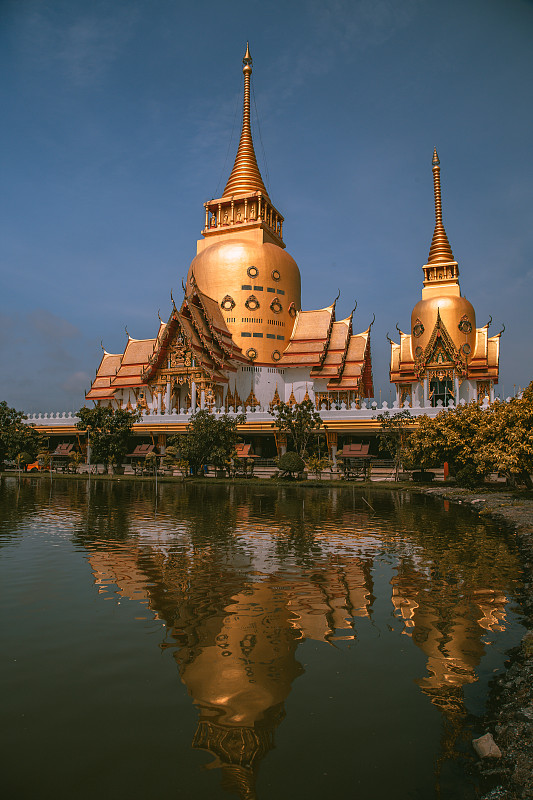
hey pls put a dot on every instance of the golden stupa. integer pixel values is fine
(445, 358)
(241, 261)
(441, 293)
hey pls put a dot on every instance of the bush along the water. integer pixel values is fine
(290, 464)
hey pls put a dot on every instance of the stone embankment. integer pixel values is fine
(509, 717)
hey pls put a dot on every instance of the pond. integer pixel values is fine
(249, 641)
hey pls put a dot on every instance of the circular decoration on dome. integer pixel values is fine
(418, 351)
(251, 353)
(466, 349)
(227, 303)
(292, 310)
(253, 272)
(276, 275)
(252, 303)
(418, 328)
(276, 355)
(276, 306)
(465, 326)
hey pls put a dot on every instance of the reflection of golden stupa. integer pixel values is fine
(241, 261)
(445, 357)
(239, 676)
(449, 630)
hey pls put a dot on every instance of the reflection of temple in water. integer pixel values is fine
(449, 627)
(236, 640)
(235, 624)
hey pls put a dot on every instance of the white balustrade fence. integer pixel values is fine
(341, 413)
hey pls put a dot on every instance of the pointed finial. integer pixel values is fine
(102, 345)
(247, 60)
(338, 295)
(440, 249)
(373, 320)
(126, 329)
(245, 175)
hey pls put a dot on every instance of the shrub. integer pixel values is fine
(290, 463)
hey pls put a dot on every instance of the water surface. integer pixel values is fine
(246, 641)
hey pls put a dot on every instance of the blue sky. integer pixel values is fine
(120, 118)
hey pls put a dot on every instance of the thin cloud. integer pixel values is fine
(83, 47)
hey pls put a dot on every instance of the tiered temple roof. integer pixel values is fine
(310, 338)
(330, 350)
(199, 322)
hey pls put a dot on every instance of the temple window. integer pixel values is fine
(440, 390)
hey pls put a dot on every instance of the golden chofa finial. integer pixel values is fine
(245, 176)
(440, 249)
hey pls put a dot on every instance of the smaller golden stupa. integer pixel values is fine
(445, 358)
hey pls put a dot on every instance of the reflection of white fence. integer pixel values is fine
(342, 413)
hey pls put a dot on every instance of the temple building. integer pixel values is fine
(240, 337)
(445, 358)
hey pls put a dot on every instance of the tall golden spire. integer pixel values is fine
(245, 175)
(440, 249)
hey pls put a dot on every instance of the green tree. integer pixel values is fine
(317, 464)
(290, 463)
(506, 438)
(299, 422)
(16, 438)
(456, 436)
(210, 439)
(394, 436)
(110, 433)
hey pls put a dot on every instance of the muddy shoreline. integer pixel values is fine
(509, 716)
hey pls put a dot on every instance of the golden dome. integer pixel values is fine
(454, 311)
(257, 285)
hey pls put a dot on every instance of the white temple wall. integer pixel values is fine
(265, 380)
(298, 380)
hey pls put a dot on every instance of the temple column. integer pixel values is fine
(426, 392)
(167, 399)
(159, 393)
(193, 396)
(202, 398)
(456, 385)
